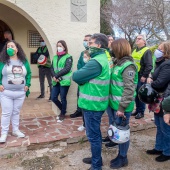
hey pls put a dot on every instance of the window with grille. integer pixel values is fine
(33, 39)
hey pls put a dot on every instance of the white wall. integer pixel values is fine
(52, 18)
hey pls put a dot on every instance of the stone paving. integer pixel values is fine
(39, 124)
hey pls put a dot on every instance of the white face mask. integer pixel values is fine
(42, 44)
(60, 49)
(158, 53)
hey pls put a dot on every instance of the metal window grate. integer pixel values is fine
(33, 39)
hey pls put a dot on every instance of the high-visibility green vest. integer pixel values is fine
(40, 51)
(137, 55)
(117, 87)
(94, 95)
(59, 65)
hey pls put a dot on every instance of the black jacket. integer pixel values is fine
(65, 70)
(146, 63)
(161, 77)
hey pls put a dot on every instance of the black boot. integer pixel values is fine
(162, 158)
(154, 152)
(110, 144)
(139, 115)
(76, 114)
(134, 113)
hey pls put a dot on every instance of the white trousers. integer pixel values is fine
(11, 103)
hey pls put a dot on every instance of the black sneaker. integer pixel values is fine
(76, 114)
(110, 144)
(40, 97)
(106, 140)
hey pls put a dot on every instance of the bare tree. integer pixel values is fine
(132, 17)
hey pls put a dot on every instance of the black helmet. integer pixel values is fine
(147, 94)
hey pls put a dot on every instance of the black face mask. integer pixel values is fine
(6, 39)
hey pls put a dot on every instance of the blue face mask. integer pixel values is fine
(42, 44)
(158, 53)
(85, 44)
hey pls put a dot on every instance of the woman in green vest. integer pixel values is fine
(124, 79)
(61, 74)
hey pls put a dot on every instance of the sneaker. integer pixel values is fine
(81, 128)
(153, 119)
(58, 117)
(18, 134)
(3, 138)
(106, 140)
(154, 152)
(61, 118)
(40, 97)
(76, 114)
(111, 144)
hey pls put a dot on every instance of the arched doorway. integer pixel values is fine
(4, 27)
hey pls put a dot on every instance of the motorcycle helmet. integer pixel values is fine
(147, 94)
(119, 134)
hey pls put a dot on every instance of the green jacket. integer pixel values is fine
(27, 77)
(94, 94)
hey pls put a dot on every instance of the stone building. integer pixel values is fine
(53, 20)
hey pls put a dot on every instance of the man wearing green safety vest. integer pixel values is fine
(93, 80)
(143, 59)
(44, 65)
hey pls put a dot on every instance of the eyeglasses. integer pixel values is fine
(138, 38)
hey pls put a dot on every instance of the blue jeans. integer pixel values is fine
(62, 90)
(93, 132)
(123, 148)
(110, 115)
(140, 106)
(162, 136)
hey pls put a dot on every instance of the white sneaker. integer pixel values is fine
(58, 117)
(153, 119)
(18, 134)
(3, 138)
(81, 128)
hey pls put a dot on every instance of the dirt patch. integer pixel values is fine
(70, 157)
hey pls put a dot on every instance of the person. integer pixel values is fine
(93, 80)
(61, 73)
(124, 79)
(86, 58)
(166, 105)
(7, 37)
(44, 65)
(143, 59)
(80, 64)
(15, 80)
(108, 143)
(159, 82)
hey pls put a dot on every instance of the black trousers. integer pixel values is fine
(45, 72)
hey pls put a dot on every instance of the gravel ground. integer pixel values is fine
(70, 157)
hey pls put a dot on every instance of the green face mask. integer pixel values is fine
(10, 52)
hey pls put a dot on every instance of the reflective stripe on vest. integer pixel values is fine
(58, 66)
(93, 98)
(94, 95)
(101, 82)
(137, 55)
(117, 86)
